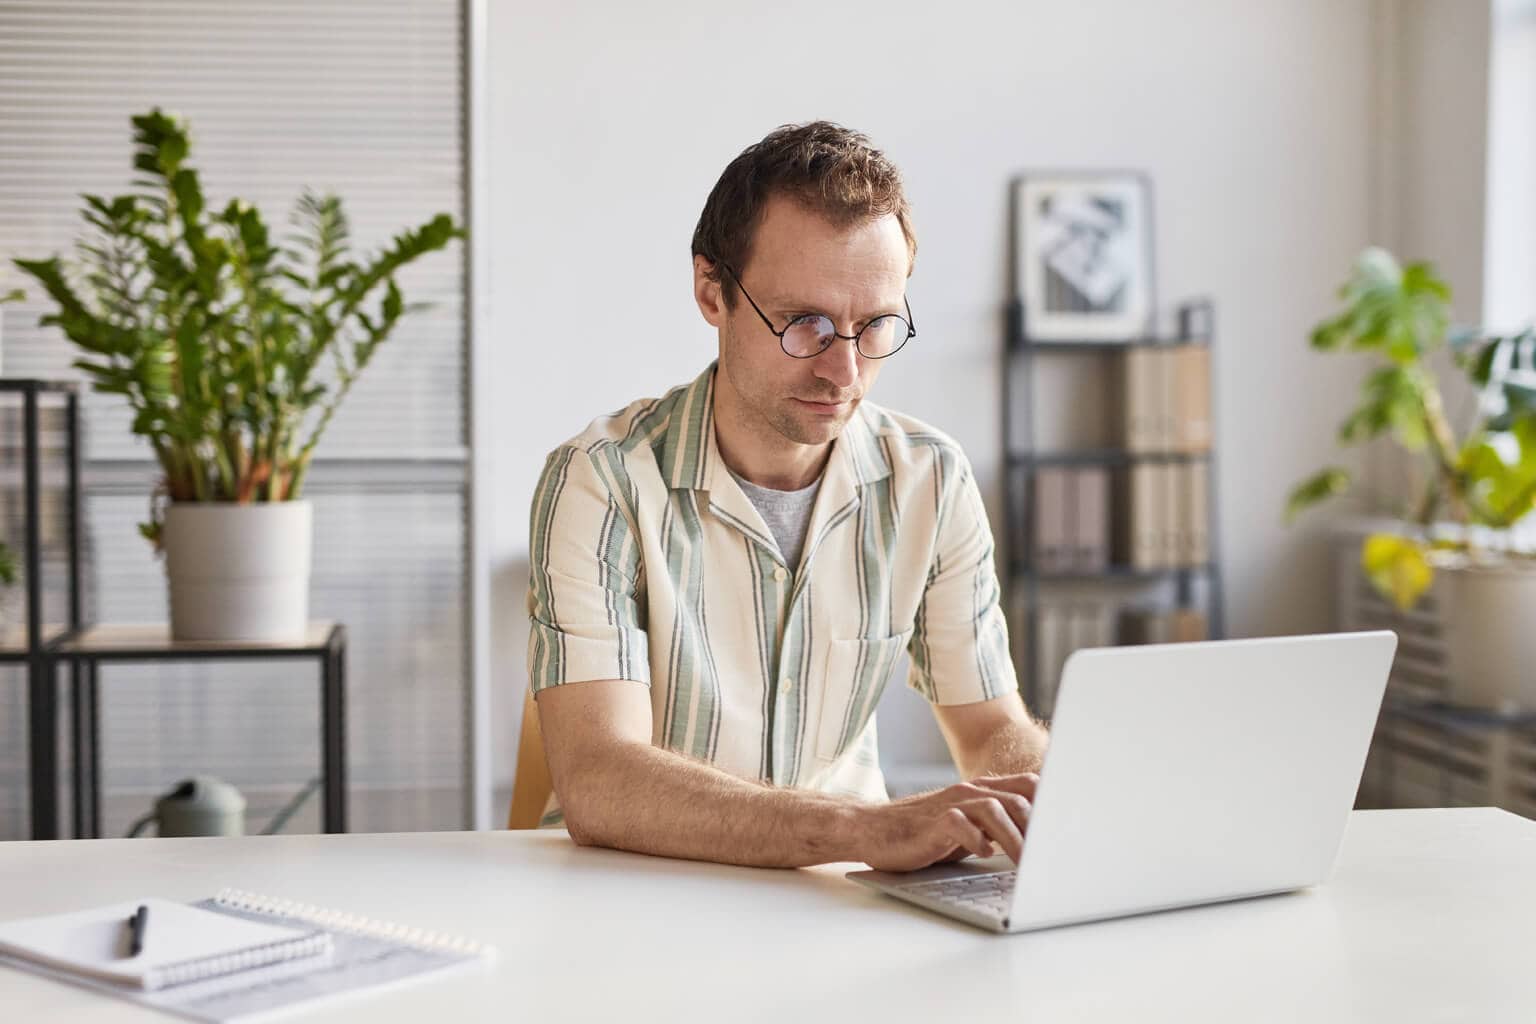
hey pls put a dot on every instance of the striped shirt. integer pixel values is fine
(650, 564)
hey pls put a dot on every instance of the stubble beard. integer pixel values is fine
(779, 413)
(803, 428)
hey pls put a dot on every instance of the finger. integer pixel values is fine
(1018, 808)
(959, 828)
(988, 815)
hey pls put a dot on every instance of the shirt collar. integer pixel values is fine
(690, 456)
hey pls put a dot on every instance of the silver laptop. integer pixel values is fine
(1178, 775)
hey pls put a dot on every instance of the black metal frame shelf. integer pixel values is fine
(48, 646)
(1102, 457)
(42, 692)
(1114, 572)
(86, 649)
(1196, 325)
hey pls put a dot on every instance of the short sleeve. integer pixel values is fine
(959, 644)
(585, 588)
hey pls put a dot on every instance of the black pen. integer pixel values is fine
(136, 925)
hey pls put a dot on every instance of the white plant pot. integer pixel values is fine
(1488, 613)
(239, 573)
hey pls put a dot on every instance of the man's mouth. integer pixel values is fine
(823, 407)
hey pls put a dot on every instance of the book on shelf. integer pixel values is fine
(1071, 519)
(1162, 626)
(1140, 401)
(1171, 527)
(1091, 523)
(1163, 519)
(1061, 628)
(1051, 548)
(1167, 398)
(1143, 515)
(1192, 398)
(1194, 513)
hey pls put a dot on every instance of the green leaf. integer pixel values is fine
(1521, 397)
(1326, 484)
(1397, 568)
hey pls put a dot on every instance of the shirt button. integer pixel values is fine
(786, 684)
(780, 574)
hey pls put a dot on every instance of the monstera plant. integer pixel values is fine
(233, 351)
(1475, 486)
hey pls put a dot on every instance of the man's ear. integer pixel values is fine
(708, 293)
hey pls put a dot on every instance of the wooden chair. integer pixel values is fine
(531, 785)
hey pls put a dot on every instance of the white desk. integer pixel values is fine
(1431, 916)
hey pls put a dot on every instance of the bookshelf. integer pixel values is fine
(1193, 570)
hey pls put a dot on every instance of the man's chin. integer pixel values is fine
(820, 430)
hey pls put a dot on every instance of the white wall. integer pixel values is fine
(610, 121)
(1510, 250)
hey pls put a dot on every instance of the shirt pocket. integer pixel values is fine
(857, 671)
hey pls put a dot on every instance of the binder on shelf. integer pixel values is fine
(1166, 408)
(1143, 512)
(1187, 625)
(1049, 655)
(1157, 626)
(1194, 513)
(1192, 397)
(1140, 399)
(1091, 524)
(1052, 544)
(1173, 533)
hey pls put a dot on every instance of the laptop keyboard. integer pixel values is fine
(990, 893)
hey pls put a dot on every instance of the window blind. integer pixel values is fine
(363, 99)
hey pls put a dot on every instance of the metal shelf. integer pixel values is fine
(1101, 457)
(1113, 572)
(1196, 326)
(36, 639)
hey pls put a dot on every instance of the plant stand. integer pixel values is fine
(29, 645)
(85, 651)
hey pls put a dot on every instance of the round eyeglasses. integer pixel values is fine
(810, 334)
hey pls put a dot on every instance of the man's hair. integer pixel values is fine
(831, 170)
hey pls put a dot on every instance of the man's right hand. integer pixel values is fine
(946, 825)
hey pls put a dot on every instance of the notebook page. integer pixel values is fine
(366, 957)
(361, 963)
(93, 942)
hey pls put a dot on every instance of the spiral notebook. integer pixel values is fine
(235, 957)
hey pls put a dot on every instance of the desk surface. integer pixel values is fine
(1429, 916)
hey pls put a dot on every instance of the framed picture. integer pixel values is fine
(1083, 255)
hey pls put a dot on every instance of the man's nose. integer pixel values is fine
(839, 363)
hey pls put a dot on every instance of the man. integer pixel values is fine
(723, 578)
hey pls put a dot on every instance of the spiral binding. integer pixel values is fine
(351, 924)
(231, 963)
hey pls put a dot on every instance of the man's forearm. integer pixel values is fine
(649, 800)
(1013, 748)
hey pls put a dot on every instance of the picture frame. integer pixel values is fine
(1082, 255)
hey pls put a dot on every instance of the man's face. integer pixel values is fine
(800, 263)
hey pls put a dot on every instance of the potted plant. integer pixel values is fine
(233, 352)
(1474, 487)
